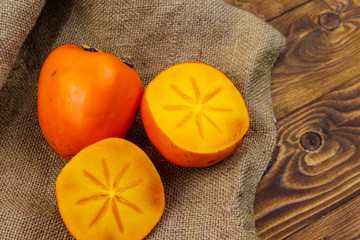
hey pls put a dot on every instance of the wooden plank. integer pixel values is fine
(342, 223)
(317, 168)
(323, 52)
(316, 94)
(267, 10)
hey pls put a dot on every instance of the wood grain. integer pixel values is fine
(342, 223)
(315, 175)
(323, 52)
(309, 180)
(268, 11)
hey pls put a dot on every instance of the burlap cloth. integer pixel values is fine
(208, 203)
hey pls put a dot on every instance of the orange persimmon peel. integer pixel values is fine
(85, 95)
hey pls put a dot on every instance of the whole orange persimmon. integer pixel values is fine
(85, 95)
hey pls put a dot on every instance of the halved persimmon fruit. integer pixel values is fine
(110, 190)
(194, 115)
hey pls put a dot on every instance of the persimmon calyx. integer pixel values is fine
(94, 49)
(90, 49)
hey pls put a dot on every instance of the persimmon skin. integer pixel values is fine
(110, 190)
(176, 152)
(84, 97)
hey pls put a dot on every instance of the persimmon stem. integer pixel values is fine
(93, 49)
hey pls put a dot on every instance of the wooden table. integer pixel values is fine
(311, 189)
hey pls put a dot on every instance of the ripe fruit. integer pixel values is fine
(110, 190)
(194, 115)
(85, 96)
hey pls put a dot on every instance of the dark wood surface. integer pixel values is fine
(311, 189)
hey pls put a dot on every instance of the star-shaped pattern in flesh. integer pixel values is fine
(196, 108)
(110, 193)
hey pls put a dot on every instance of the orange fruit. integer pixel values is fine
(110, 190)
(85, 96)
(194, 115)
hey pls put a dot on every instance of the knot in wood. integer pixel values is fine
(329, 21)
(310, 141)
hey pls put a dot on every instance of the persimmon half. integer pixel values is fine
(110, 190)
(85, 95)
(194, 115)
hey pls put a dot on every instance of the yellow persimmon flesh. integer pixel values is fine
(110, 190)
(194, 115)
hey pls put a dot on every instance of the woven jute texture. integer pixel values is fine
(206, 203)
